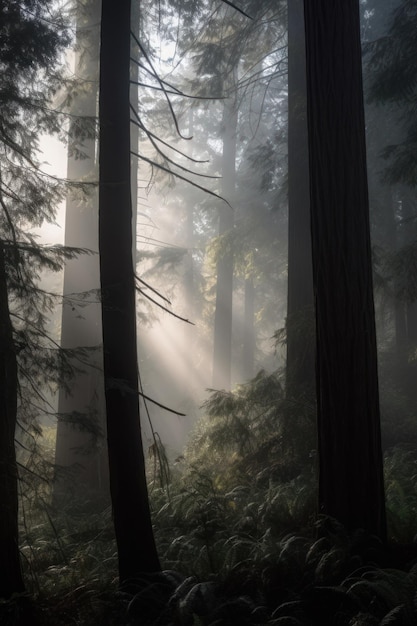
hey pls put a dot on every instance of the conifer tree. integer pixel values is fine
(392, 87)
(351, 487)
(33, 34)
(132, 522)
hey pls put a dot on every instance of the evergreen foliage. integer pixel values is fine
(33, 38)
(238, 543)
(235, 517)
(392, 62)
(34, 35)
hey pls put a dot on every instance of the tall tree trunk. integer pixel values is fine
(82, 326)
(222, 350)
(351, 485)
(134, 130)
(189, 269)
(300, 368)
(409, 237)
(11, 580)
(400, 306)
(132, 521)
(249, 341)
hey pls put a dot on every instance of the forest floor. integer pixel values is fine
(310, 583)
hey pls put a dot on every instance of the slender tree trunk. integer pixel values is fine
(222, 350)
(400, 317)
(134, 130)
(300, 370)
(132, 521)
(249, 341)
(351, 485)
(410, 307)
(11, 580)
(189, 270)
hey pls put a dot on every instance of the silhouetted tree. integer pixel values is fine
(11, 580)
(32, 38)
(132, 522)
(391, 69)
(351, 485)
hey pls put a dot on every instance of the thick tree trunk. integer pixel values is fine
(351, 476)
(132, 521)
(222, 350)
(300, 370)
(11, 580)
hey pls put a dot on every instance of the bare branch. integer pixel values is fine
(237, 9)
(177, 92)
(161, 82)
(166, 408)
(187, 180)
(181, 167)
(152, 289)
(140, 124)
(161, 306)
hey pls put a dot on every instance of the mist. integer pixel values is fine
(272, 240)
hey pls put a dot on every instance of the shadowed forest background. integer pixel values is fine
(208, 313)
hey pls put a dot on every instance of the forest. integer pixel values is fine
(208, 313)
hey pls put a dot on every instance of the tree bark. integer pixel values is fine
(351, 485)
(132, 521)
(11, 580)
(300, 367)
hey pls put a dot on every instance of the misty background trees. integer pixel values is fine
(200, 400)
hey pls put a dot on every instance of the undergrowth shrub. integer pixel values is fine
(240, 485)
(400, 465)
(237, 531)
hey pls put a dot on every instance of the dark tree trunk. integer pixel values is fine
(11, 580)
(351, 485)
(222, 351)
(410, 307)
(401, 333)
(400, 307)
(132, 521)
(300, 370)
